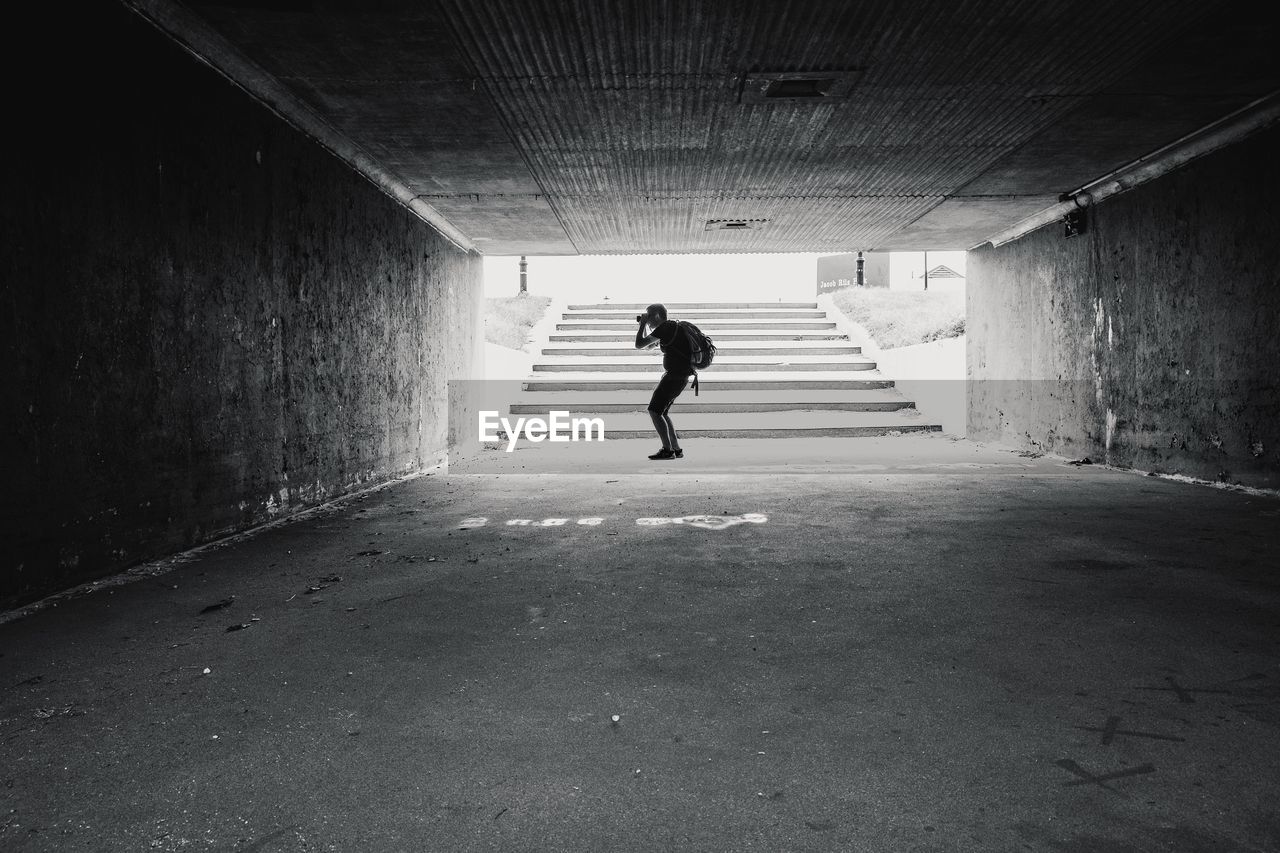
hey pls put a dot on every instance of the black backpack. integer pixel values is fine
(701, 350)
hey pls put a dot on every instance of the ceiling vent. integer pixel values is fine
(813, 87)
(734, 224)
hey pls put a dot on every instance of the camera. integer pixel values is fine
(640, 318)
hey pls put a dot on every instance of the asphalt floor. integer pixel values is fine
(902, 644)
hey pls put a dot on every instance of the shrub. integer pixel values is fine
(900, 318)
(508, 319)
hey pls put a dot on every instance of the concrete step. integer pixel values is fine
(722, 352)
(631, 355)
(728, 337)
(759, 382)
(782, 370)
(868, 431)
(797, 398)
(673, 307)
(709, 326)
(700, 315)
(766, 424)
(648, 366)
(707, 404)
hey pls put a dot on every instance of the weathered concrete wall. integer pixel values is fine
(1150, 341)
(211, 321)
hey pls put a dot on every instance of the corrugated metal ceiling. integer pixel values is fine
(629, 115)
(560, 126)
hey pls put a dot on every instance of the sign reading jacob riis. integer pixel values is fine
(837, 272)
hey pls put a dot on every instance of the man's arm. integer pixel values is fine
(644, 340)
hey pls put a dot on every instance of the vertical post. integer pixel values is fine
(861, 278)
(926, 269)
(524, 275)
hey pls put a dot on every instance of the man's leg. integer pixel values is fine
(660, 422)
(671, 429)
(658, 413)
(669, 387)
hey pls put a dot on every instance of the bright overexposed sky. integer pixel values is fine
(658, 278)
(668, 278)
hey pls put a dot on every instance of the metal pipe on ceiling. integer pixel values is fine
(1250, 119)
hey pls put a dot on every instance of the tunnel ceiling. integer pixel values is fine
(544, 127)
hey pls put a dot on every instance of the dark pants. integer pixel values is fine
(669, 387)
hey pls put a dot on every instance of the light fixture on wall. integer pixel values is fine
(1076, 221)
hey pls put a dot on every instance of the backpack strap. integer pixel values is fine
(695, 383)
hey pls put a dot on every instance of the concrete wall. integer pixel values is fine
(210, 320)
(1150, 341)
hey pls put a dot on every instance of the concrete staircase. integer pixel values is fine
(781, 370)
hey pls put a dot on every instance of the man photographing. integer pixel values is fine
(656, 329)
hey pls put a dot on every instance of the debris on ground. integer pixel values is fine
(1078, 462)
(218, 605)
(372, 552)
(324, 583)
(61, 711)
(238, 627)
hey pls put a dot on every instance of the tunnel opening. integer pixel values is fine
(802, 353)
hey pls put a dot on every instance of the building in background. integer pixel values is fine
(946, 271)
(893, 270)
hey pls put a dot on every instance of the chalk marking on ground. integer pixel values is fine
(704, 522)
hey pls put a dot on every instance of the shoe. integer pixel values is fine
(668, 454)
